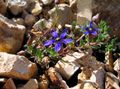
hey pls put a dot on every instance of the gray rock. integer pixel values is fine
(98, 76)
(61, 14)
(30, 19)
(3, 7)
(11, 35)
(15, 66)
(16, 6)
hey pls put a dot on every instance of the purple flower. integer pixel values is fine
(90, 29)
(58, 40)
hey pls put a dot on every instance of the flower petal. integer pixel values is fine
(54, 34)
(66, 41)
(63, 34)
(94, 33)
(86, 33)
(48, 42)
(91, 24)
(57, 47)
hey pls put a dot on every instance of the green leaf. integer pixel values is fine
(39, 54)
(30, 49)
(51, 52)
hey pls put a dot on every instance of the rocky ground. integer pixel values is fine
(81, 71)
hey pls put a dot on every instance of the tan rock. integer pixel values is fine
(16, 66)
(31, 84)
(11, 35)
(46, 2)
(37, 9)
(42, 24)
(56, 79)
(61, 15)
(67, 67)
(89, 86)
(117, 67)
(84, 12)
(16, 6)
(43, 82)
(9, 84)
(85, 74)
(112, 81)
(3, 7)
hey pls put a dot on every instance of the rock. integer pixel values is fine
(98, 76)
(61, 14)
(3, 7)
(117, 67)
(11, 35)
(56, 79)
(85, 74)
(112, 81)
(9, 84)
(36, 9)
(16, 66)
(42, 24)
(16, 6)
(89, 85)
(67, 67)
(31, 84)
(29, 19)
(46, 2)
(19, 21)
(3, 80)
(109, 11)
(90, 62)
(84, 12)
(43, 82)
(76, 87)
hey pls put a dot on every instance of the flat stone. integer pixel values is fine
(68, 66)
(31, 84)
(9, 84)
(15, 66)
(11, 35)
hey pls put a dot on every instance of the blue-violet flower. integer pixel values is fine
(90, 29)
(58, 40)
